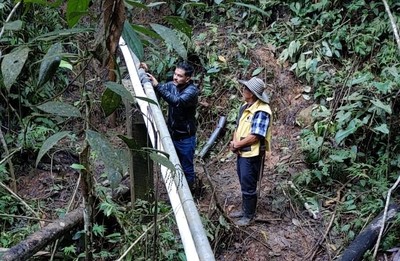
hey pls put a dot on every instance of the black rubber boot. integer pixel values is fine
(249, 211)
(238, 213)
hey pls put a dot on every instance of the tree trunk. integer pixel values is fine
(37, 241)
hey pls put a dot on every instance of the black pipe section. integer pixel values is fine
(213, 137)
(367, 238)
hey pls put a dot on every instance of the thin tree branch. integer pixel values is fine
(10, 164)
(20, 199)
(8, 18)
(393, 23)
(384, 216)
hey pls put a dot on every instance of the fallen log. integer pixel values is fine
(367, 238)
(37, 241)
(40, 239)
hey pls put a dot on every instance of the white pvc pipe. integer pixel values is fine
(182, 223)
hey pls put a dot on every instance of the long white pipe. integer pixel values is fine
(176, 201)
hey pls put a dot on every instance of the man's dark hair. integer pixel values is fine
(187, 67)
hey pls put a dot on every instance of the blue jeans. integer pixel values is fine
(185, 149)
(248, 170)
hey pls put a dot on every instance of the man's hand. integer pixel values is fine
(233, 148)
(144, 66)
(153, 80)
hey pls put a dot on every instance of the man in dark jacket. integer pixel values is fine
(182, 97)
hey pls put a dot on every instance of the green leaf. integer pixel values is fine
(382, 128)
(60, 109)
(103, 147)
(252, 7)
(132, 40)
(171, 38)
(382, 106)
(351, 128)
(382, 87)
(75, 10)
(180, 24)
(110, 101)
(360, 79)
(148, 149)
(155, 4)
(145, 31)
(257, 71)
(157, 158)
(77, 166)
(194, 4)
(131, 143)
(58, 34)
(12, 65)
(49, 143)
(112, 160)
(13, 26)
(136, 4)
(120, 90)
(66, 65)
(114, 176)
(146, 99)
(50, 63)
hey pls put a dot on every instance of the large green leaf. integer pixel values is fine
(49, 143)
(180, 24)
(120, 90)
(171, 38)
(98, 143)
(75, 10)
(110, 101)
(60, 109)
(50, 63)
(132, 40)
(12, 65)
(112, 159)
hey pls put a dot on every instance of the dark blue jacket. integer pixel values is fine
(182, 101)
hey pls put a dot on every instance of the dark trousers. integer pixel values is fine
(248, 170)
(185, 149)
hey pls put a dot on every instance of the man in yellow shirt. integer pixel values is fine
(251, 139)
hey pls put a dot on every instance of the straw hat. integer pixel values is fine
(257, 87)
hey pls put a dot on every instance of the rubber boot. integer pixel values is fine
(191, 185)
(249, 211)
(238, 213)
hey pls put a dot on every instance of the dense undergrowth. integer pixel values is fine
(344, 51)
